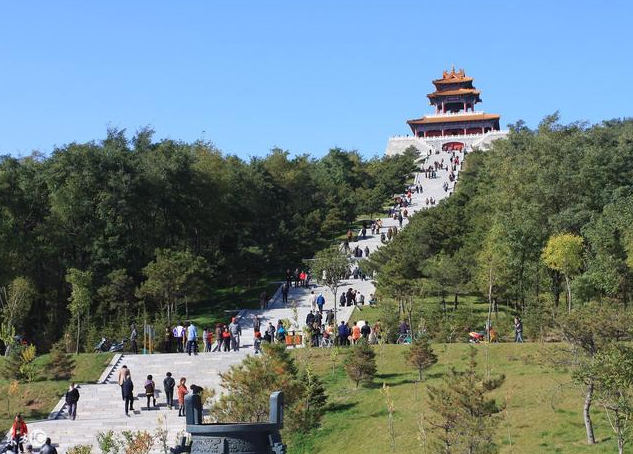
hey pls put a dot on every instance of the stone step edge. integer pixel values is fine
(57, 411)
(114, 362)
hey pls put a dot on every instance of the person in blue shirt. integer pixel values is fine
(343, 334)
(320, 302)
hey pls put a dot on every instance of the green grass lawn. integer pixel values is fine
(36, 400)
(543, 413)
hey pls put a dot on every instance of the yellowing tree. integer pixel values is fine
(563, 253)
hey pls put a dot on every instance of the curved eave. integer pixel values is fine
(439, 94)
(454, 119)
(452, 81)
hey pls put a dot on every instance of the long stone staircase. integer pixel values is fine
(101, 407)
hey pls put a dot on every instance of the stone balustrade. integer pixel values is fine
(443, 138)
(454, 114)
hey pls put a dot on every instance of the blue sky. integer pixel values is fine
(304, 76)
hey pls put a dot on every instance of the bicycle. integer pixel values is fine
(326, 342)
(404, 338)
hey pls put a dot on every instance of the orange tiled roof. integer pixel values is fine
(452, 76)
(453, 119)
(455, 80)
(459, 91)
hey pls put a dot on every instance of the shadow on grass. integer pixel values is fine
(341, 406)
(386, 376)
(391, 384)
(433, 376)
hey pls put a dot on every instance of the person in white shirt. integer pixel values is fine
(192, 337)
(179, 333)
(312, 300)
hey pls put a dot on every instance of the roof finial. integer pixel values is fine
(452, 68)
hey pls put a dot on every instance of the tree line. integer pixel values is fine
(541, 225)
(123, 224)
(540, 221)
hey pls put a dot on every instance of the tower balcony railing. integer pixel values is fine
(455, 114)
(462, 136)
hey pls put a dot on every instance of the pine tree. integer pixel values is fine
(360, 364)
(61, 365)
(420, 355)
(308, 411)
(465, 417)
(13, 364)
(248, 386)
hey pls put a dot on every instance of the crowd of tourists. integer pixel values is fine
(343, 335)
(185, 338)
(151, 391)
(300, 278)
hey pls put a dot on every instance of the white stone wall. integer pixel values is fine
(397, 145)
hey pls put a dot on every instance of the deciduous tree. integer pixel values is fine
(563, 253)
(80, 297)
(612, 372)
(329, 268)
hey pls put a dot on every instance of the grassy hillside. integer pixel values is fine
(36, 400)
(543, 413)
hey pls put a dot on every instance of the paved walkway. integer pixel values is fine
(100, 406)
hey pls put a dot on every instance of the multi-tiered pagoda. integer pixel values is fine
(455, 125)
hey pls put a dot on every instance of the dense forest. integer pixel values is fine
(540, 223)
(115, 222)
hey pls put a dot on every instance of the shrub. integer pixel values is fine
(420, 355)
(139, 442)
(61, 365)
(19, 364)
(360, 364)
(28, 371)
(80, 449)
(108, 442)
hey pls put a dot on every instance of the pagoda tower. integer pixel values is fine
(455, 125)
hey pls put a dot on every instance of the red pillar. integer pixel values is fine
(465, 107)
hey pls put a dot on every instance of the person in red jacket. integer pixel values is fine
(19, 430)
